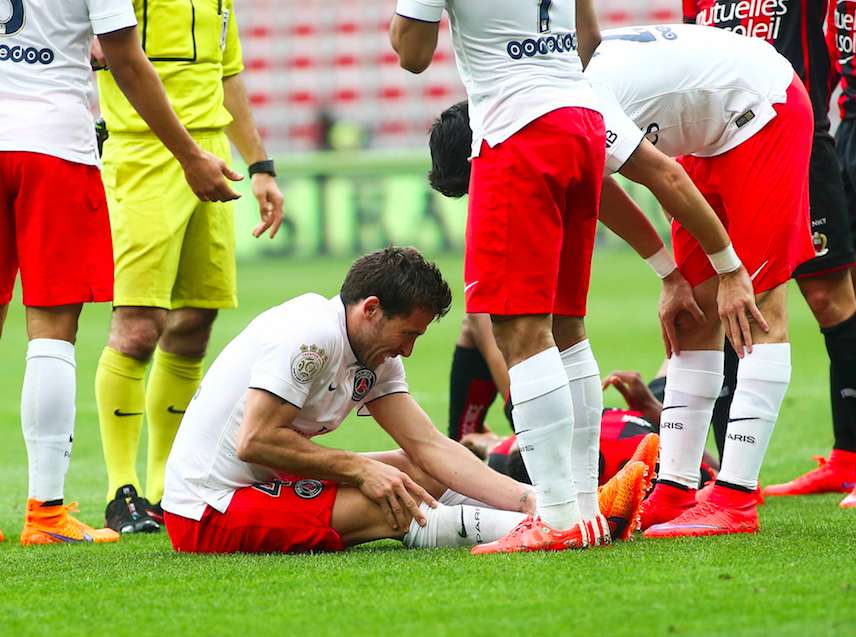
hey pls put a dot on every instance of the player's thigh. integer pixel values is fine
(150, 206)
(206, 276)
(830, 222)
(773, 304)
(62, 232)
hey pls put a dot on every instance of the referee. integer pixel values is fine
(174, 253)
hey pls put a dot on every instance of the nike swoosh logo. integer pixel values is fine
(463, 531)
(121, 414)
(673, 407)
(331, 387)
(759, 270)
(171, 409)
(469, 286)
(687, 526)
(847, 392)
(65, 538)
(742, 419)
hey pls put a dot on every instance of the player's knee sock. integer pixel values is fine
(841, 345)
(543, 417)
(460, 525)
(723, 403)
(471, 392)
(120, 397)
(47, 415)
(172, 383)
(693, 381)
(587, 397)
(762, 380)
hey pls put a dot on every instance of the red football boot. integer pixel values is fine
(532, 534)
(836, 475)
(726, 511)
(703, 494)
(666, 502)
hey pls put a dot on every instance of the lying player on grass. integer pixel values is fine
(244, 474)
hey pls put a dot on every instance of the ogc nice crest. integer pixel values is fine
(364, 380)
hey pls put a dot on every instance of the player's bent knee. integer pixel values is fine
(135, 331)
(830, 297)
(357, 519)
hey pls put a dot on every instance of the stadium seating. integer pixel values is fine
(330, 60)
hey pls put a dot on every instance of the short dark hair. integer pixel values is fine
(450, 141)
(402, 279)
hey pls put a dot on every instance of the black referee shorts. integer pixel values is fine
(832, 227)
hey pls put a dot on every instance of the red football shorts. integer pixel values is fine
(760, 192)
(533, 215)
(284, 516)
(55, 229)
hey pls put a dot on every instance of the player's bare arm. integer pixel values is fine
(414, 40)
(265, 438)
(588, 30)
(444, 459)
(668, 181)
(140, 83)
(244, 134)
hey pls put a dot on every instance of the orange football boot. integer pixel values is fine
(648, 452)
(2, 537)
(533, 534)
(620, 499)
(836, 475)
(55, 525)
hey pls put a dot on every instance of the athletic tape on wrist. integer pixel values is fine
(662, 262)
(725, 261)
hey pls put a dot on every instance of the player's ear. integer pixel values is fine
(371, 307)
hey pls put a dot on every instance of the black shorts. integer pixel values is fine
(831, 224)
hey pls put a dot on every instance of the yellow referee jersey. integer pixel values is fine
(193, 45)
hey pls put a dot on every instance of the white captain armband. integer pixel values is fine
(725, 261)
(662, 262)
(424, 10)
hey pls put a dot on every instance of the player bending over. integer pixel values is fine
(294, 373)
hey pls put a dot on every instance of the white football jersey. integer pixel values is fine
(45, 104)
(691, 89)
(298, 351)
(518, 60)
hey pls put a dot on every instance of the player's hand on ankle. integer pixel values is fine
(676, 298)
(395, 493)
(204, 173)
(735, 300)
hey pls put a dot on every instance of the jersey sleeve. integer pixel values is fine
(107, 16)
(233, 59)
(390, 380)
(690, 9)
(622, 135)
(289, 368)
(424, 10)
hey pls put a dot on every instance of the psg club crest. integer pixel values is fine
(364, 380)
(307, 363)
(308, 489)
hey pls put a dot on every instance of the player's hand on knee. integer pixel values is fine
(396, 494)
(735, 300)
(676, 299)
(270, 200)
(204, 172)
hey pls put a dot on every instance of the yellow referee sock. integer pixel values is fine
(172, 383)
(120, 397)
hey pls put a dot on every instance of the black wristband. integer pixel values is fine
(264, 166)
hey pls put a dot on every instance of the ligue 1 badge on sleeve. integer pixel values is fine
(364, 380)
(307, 363)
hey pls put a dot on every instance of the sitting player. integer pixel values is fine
(294, 373)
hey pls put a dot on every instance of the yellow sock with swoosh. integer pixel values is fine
(172, 383)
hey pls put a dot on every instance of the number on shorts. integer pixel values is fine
(544, 15)
(15, 21)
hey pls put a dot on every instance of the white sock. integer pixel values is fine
(47, 415)
(587, 397)
(452, 498)
(693, 383)
(460, 525)
(543, 418)
(762, 380)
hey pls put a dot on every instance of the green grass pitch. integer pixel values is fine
(796, 578)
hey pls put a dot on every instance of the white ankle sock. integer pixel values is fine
(762, 380)
(543, 418)
(451, 498)
(460, 525)
(47, 415)
(587, 398)
(693, 382)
